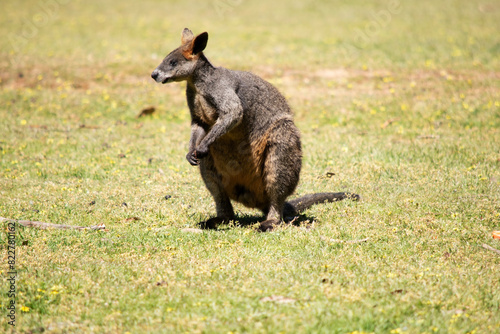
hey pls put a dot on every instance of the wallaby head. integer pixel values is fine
(180, 64)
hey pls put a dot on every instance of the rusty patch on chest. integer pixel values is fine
(204, 110)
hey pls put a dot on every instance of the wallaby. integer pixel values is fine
(242, 136)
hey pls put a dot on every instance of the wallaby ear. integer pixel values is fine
(200, 43)
(186, 36)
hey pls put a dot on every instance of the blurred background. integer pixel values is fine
(301, 34)
(112, 46)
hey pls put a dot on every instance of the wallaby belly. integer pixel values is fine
(241, 168)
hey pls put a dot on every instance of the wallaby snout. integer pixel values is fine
(160, 76)
(155, 75)
(173, 68)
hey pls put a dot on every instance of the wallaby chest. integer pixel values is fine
(204, 110)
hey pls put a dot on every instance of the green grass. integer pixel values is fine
(409, 118)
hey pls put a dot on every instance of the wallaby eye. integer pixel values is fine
(173, 63)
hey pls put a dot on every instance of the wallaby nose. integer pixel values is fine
(154, 75)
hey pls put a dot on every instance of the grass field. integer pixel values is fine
(399, 99)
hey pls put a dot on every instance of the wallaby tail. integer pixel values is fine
(297, 205)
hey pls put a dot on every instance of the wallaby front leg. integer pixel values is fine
(230, 114)
(197, 134)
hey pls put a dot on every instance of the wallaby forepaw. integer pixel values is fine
(191, 158)
(268, 225)
(201, 152)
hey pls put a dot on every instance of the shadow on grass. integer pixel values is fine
(253, 221)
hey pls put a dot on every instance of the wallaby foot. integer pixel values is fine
(268, 225)
(212, 223)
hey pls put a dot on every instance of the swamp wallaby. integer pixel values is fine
(242, 136)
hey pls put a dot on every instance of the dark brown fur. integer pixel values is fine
(242, 136)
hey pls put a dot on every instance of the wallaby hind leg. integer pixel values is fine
(213, 182)
(281, 170)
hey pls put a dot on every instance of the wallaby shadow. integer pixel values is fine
(253, 221)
